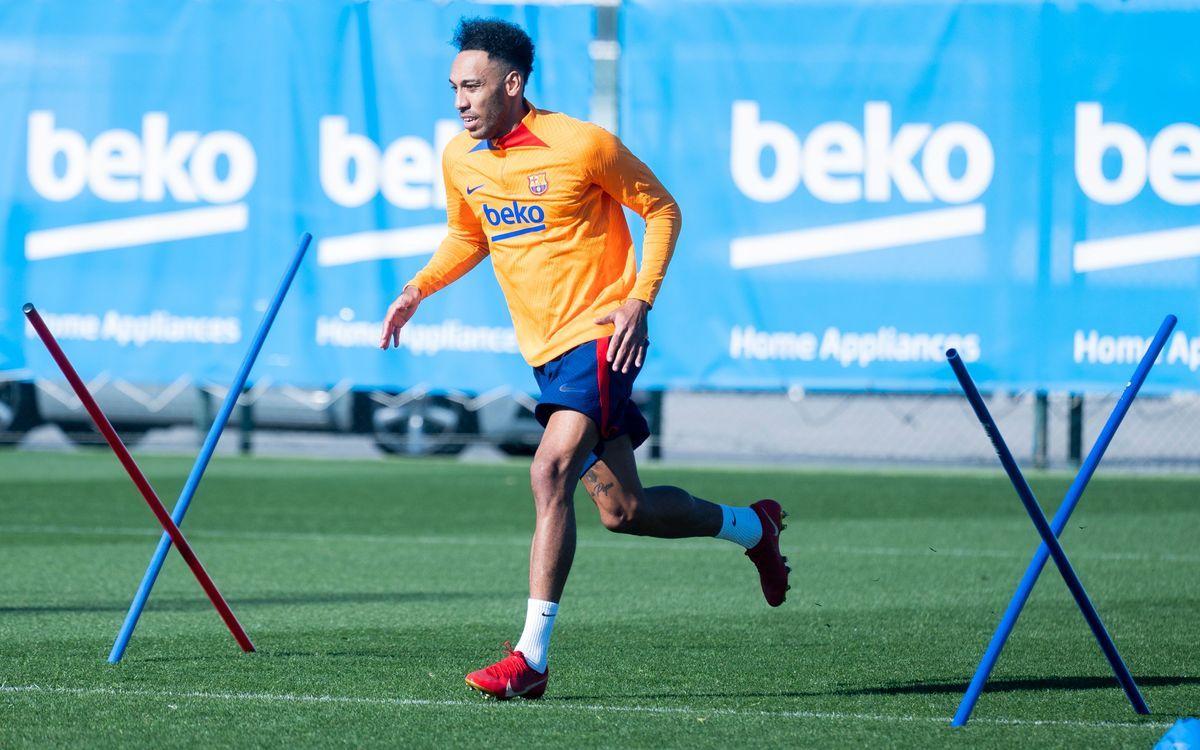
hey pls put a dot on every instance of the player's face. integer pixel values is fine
(483, 94)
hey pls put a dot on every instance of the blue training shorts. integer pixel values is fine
(582, 380)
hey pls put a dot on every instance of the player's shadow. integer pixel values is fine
(689, 694)
(918, 688)
(168, 604)
(1019, 684)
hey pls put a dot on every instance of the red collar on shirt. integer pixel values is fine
(521, 135)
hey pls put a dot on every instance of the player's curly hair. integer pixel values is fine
(500, 39)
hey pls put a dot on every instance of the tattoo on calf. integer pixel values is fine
(594, 486)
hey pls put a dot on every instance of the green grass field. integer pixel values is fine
(371, 588)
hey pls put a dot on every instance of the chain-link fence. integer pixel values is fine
(797, 427)
(1158, 433)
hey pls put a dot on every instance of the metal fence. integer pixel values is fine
(1158, 433)
(794, 428)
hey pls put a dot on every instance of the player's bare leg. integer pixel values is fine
(567, 441)
(628, 508)
(670, 512)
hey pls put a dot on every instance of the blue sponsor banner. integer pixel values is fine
(15, 216)
(12, 288)
(1124, 188)
(12, 355)
(866, 184)
(863, 185)
(852, 184)
(163, 159)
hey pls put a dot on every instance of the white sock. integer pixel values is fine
(535, 638)
(740, 525)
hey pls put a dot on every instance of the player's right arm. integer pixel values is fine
(463, 248)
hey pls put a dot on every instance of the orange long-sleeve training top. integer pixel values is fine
(545, 202)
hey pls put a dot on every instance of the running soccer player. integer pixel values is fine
(541, 193)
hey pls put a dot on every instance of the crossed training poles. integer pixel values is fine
(171, 522)
(1049, 531)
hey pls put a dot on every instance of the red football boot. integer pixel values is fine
(772, 566)
(510, 677)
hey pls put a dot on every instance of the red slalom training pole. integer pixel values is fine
(139, 479)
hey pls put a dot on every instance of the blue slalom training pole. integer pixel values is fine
(1070, 500)
(1049, 538)
(206, 451)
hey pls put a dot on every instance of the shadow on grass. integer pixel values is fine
(346, 652)
(1019, 684)
(187, 605)
(921, 688)
(627, 697)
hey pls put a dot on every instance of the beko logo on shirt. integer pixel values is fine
(839, 163)
(1169, 161)
(121, 166)
(514, 215)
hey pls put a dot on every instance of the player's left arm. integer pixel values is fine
(624, 176)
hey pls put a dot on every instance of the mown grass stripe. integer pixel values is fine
(614, 543)
(547, 705)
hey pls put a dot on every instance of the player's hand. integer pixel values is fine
(398, 314)
(629, 341)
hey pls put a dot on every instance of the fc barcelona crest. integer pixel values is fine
(538, 183)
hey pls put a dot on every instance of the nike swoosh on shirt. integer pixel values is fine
(569, 389)
(473, 189)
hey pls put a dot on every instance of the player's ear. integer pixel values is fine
(513, 83)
